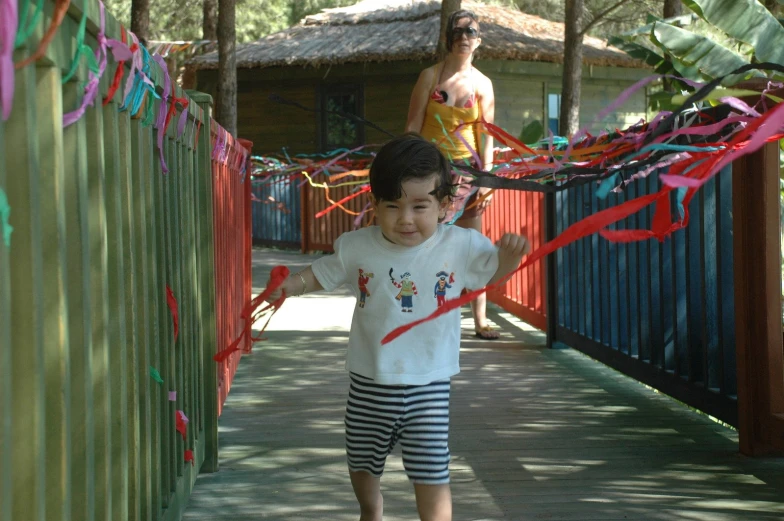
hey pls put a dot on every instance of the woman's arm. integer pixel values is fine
(418, 104)
(487, 104)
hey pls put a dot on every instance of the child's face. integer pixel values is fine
(413, 218)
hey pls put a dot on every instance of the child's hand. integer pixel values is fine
(511, 248)
(275, 295)
(295, 285)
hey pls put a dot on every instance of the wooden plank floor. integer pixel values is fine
(536, 434)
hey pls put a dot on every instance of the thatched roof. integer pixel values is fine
(393, 30)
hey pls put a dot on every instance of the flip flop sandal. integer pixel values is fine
(481, 333)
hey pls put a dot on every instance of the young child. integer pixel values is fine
(400, 391)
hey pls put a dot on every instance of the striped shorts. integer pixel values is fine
(377, 416)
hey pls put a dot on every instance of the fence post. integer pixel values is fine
(304, 221)
(247, 239)
(551, 289)
(207, 284)
(757, 252)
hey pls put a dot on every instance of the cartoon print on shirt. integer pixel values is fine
(442, 285)
(407, 291)
(364, 278)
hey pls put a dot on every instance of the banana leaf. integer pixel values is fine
(532, 132)
(637, 51)
(693, 53)
(745, 20)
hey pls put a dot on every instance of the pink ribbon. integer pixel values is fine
(9, 18)
(160, 122)
(137, 64)
(758, 133)
(120, 51)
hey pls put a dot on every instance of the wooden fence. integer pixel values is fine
(524, 294)
(95, 368)
(661, 312)
(232, 244)
(277, 216)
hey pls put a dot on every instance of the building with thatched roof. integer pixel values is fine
(366, 58)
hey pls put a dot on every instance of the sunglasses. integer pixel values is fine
(470, 32)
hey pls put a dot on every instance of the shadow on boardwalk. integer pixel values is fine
(536, 434)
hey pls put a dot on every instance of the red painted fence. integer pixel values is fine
(232, 235)
(520, 212)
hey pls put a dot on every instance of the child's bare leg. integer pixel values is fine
(367, 488)
(434, 502)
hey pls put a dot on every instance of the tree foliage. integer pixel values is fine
(632, 14)
(182, 19)
(172, 20)
(719, 36)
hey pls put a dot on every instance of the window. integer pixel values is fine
(338, 131)
(553, 111)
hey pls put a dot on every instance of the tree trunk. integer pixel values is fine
(227, 67)
(447, 7)
(673, 8)
(569, 119)
(209, 21)
(140, 20)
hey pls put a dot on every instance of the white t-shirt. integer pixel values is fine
(396, 285)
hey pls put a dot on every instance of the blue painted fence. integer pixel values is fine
(277, 212)
(662, 313)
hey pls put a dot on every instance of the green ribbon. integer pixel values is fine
(24, 30)
(82, 50)
(156, 375)
(5, 212)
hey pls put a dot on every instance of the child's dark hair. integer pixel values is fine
(405, 157)
(452, 21)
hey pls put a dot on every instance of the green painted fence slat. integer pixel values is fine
(86, 433)
(26, 368)
(56, 346)
(118, 317)
(6, 387)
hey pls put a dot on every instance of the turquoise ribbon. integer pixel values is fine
(5, 212)
(82, 50)
(25, 28)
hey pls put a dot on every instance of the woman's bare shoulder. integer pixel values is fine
(429, 73)
(483, 83)
(481, 79)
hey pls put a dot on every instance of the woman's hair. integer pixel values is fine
(405, 157)
(450, 25)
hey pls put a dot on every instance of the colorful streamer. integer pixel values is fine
(181, 423)
(171, 301)
(5, 214)
(253, 311)
(8, 23)
(155, 375)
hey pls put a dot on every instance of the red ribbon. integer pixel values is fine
(181, 423)
(118, 73)
(252, 313)
(189, 456)
(589, 225)
(322, 213)
(172, 302)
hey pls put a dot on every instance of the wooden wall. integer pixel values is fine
(520, 88)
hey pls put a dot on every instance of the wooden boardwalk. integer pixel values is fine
(536, 434)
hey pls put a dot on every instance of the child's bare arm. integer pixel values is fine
(511, 248)
(297, 284)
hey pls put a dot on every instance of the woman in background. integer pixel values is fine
(450, 98)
